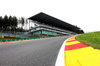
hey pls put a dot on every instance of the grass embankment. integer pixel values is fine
(91, 39)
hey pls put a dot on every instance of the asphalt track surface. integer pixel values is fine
(41, 52)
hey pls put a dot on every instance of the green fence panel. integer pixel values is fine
(48, 32)
(37, 33)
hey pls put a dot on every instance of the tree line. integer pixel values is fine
(10, 23)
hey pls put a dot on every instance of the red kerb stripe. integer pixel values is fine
(75, 46)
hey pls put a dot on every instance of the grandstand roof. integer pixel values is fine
(47, 19)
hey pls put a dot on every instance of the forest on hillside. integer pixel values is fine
(11, 23)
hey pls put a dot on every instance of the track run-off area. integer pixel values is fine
(79, 54)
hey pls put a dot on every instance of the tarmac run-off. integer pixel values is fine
(79, 54)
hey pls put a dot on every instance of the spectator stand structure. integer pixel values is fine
(46, 25)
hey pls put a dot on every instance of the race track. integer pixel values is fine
(42, 52)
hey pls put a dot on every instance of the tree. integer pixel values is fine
(14, 23)
(22, 21)
(1, 22)
(10, 22)
(5, 22)
(26, 22)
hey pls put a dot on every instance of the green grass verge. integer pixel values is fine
(91, 39)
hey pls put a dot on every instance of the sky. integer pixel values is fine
(83, 13)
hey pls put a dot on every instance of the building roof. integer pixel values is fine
(47, 19)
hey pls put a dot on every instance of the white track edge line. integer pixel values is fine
(60, 59)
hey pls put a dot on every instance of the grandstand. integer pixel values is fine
(46, 25)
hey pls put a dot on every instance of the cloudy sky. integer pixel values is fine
(83, 13)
